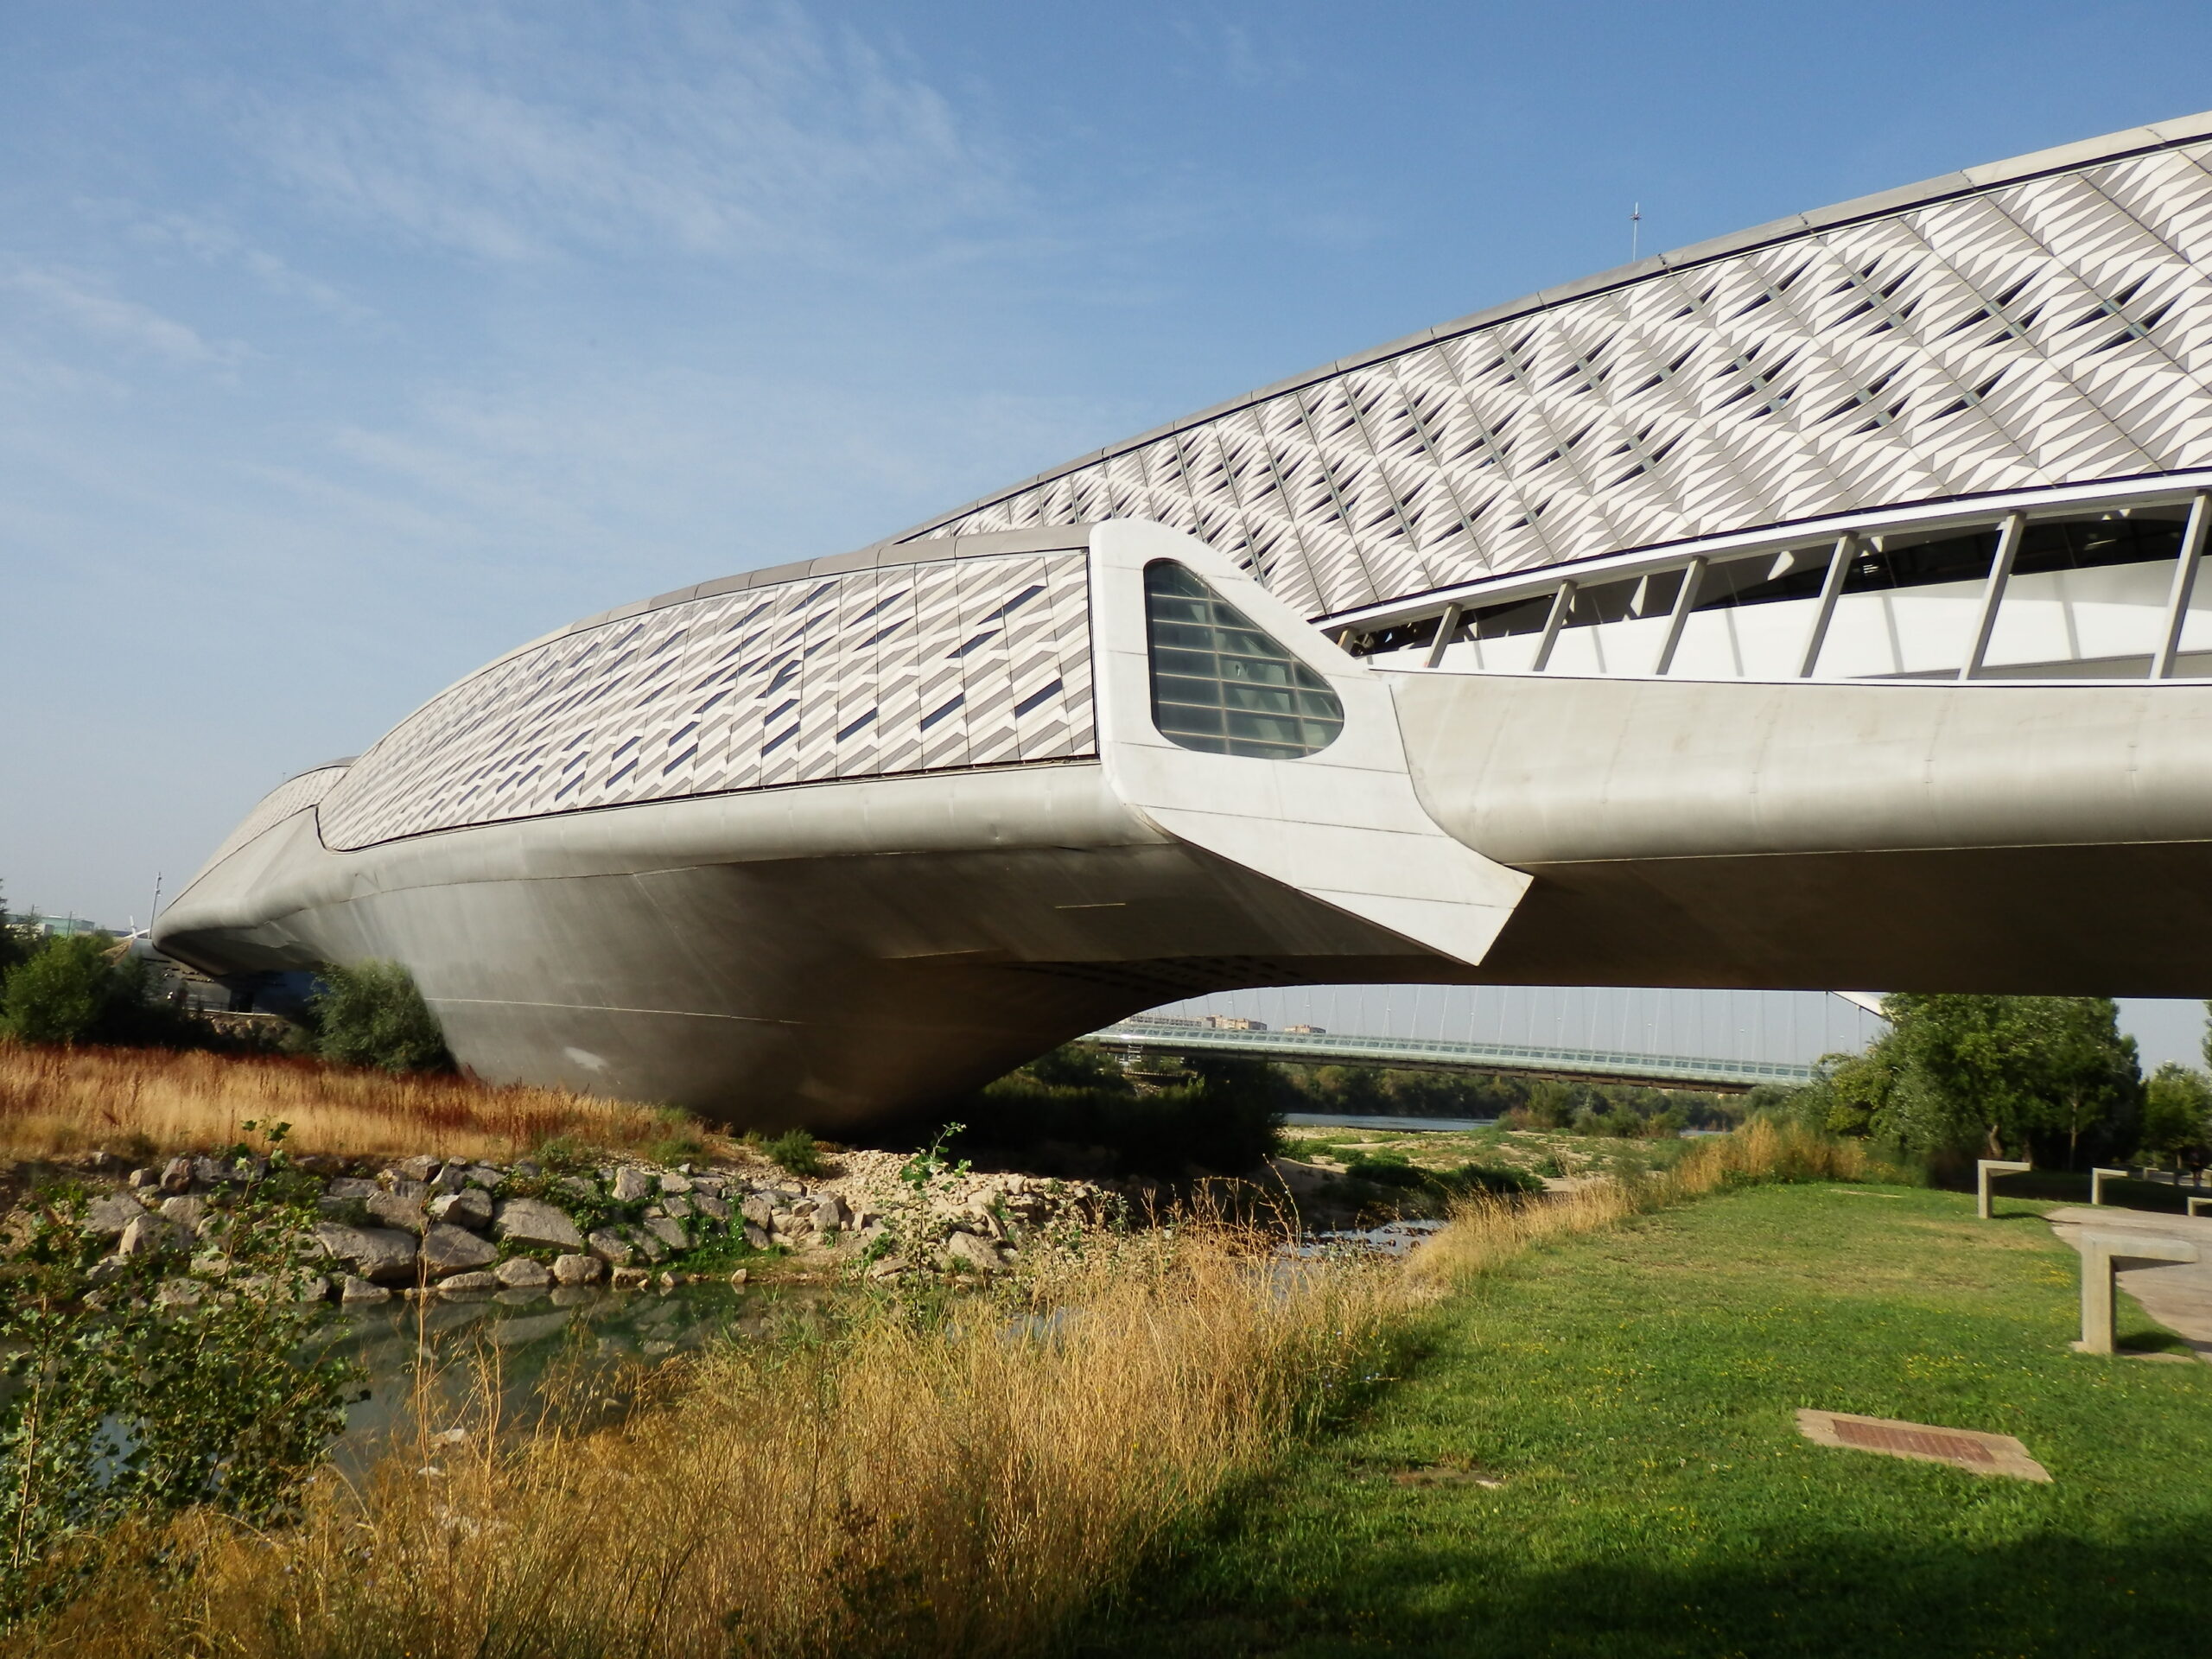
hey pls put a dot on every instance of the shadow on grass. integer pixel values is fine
(2138, 1594)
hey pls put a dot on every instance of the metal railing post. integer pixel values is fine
(2192, 551)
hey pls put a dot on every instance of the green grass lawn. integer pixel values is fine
(1633, 1392)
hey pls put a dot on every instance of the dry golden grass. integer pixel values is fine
(55, 1103)
(1487, 1232)
(903, 1486)
(908, 1487)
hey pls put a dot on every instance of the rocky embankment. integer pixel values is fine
(424, 1226)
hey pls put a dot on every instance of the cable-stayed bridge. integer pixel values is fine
(1723, 1040)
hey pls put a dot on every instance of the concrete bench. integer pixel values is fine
(2097, 1182)
(1986, 1168)
(2199, 1206)
(2103, 1254)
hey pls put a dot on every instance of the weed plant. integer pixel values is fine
(126, 1407)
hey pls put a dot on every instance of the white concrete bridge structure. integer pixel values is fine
(1815, 607)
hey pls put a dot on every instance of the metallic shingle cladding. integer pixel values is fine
(2052, 330)
(973, 662)
(295, 794)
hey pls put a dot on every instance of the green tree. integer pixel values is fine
(1996, 1075)
(371, 1013)
(13, 946)
(2176, 1110)
(63, 991)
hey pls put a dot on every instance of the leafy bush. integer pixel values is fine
(125, 1407)
(1386, 1169)
(796, 1152)
(1395, 1170)
(83, 989)
(62, 993)
(371, 1013)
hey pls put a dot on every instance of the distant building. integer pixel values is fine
(59, 927)
(1306, 1031)
(1235, 1022)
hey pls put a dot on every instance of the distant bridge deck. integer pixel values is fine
(1568, 1064)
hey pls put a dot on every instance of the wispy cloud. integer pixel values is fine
(91, 306)
(214, 243)
(506, 136)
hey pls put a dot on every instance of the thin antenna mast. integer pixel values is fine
(1635, 230)
(157, 907)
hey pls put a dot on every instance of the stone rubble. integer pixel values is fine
(426, 1226)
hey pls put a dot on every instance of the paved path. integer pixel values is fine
(2179, 1295)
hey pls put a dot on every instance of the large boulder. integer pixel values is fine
(470, 1208)
(454, 1249)
(381, 1254)
(580, 1269)
(632, 1183)
(397, 1210)
(967, 1250)
(533, 1221)
(520, 1272)
(106, 1218)
(608, 1246)
(148, 1234)
(669, 1230)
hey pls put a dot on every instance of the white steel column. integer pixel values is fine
(1847, 548)
(1446, 627)
(1692, 575)
(1992, 592)
(1560, 601)
(2192, 552)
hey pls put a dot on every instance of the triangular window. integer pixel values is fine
(1221, 683)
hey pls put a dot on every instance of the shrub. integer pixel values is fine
(371, 1013)
(796, 1152)
(125, 1409)
(62, 993)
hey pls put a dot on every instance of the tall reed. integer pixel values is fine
(57, 1101)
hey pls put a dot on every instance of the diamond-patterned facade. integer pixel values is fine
(2055, 330)
(962, 663)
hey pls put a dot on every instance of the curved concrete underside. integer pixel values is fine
(833, 953)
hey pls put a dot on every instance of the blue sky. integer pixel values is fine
(343, 347)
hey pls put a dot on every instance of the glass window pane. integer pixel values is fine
(1221, 685)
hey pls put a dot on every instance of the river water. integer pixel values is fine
(1402, 1125)
(433, 1365)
